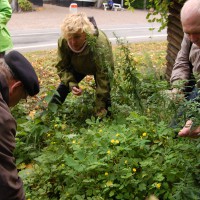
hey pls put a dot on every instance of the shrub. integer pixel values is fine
(66, 153)
(25, 5)
(127, 158)
(140, 4)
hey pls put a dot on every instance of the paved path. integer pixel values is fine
(51, 17)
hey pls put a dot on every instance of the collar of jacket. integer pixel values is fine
(79, 51)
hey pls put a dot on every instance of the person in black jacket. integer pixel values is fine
(17, 80)
(110, 4)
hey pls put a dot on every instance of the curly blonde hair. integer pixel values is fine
(74, 23)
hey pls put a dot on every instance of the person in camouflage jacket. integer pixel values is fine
(84, 50)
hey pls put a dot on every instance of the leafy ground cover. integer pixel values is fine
(66, 153)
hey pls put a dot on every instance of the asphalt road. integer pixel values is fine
(40, 30)
(47, 38)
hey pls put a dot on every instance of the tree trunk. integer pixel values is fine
(145, 4)
(175, 35)
(99, 3)
(14, 5)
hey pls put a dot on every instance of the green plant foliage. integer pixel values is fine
(158, 10)
(125, 69)
(140, 4)
(25, 5)
(112, 159)
(64, 152)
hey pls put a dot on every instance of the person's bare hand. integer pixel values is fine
(177, 95)
(189, 131)
(101, 113)
(77, 91)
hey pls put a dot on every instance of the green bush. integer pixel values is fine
(25, 5)
(124, 158)
(66, 153)
(140, 4)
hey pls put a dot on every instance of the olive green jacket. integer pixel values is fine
(5, 15)
(96, 59)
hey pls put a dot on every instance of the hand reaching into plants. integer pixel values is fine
(176, 94)
(77, 91)
(152, 197)
(101, 113)
(188, 131)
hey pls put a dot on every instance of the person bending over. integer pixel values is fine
(17, 80)
(84, 50)
(188, 56)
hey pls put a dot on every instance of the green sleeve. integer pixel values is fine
(5, 15)
(105, 66)
(63, 64)
(5, 12)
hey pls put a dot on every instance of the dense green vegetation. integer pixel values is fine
(141, 4)
(25, 5)
(66, 153)
(158, 9)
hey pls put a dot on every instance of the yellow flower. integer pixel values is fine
(158, 185)
(112, 141)
(117, 135)
(116, 141)
(56, 125)
(48, 135)
(100, 131)
(144, 134)
(53, 142)
(66, 194)
(108, 152)
(109, 183)
(125, 161)
(134, 170)
(106, 173)
(74, 141)
(21, 166)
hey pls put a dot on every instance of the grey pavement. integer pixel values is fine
(40, 29)
(51, 16)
